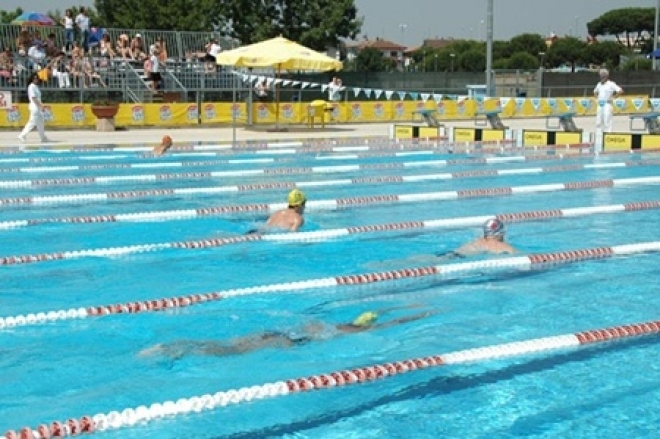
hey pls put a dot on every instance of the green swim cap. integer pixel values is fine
(365, 319)
(296, 198)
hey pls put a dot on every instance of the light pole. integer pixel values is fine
(577, 24)
(540, 74)
(489, 49)
(655, 34)
(452, 56)
(481, 26)
(435, 62)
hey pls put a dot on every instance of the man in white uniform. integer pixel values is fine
(36, 108)
(605, 92)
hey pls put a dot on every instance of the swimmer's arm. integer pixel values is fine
(403, 320)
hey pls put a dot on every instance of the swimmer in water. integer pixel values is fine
(291, 218)
(492, 242)
(316, 331)
(165, 144)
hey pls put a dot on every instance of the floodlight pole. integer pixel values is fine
(489, 49)
(655, 34)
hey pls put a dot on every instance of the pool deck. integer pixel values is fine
(224, 134)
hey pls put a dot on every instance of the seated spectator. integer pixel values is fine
(23, 42)
(261, 90)
(76, 68)
(37, 55)
(61, 69)
(105, 47)
(77, 51)
(162, 50)
(123, 47)
(212, 50)
(50, 47)
(137, 48)
(92, 76)
(7, 67)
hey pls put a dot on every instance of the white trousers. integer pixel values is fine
(604, 116)
(36, 120)
(63, 79)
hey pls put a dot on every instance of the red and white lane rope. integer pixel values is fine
(12, 184)
(392, 179)
(444, 271)
(324, 235)
(129, 417)
(343, 203)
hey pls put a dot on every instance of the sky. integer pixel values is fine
(408, 22)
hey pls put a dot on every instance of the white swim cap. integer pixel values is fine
(493, 227)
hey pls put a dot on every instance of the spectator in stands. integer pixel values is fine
(82, 22)
(212, 50)
(69, 30)
(61, 69)
(7, 67)
(261, 90)
(123, 47)
(76, 68)
(162, 50)
(154, 70)
(77, 51)
(37, 55)
(105, 47)
(92, 76)
(51, 48)
(23, 42)
(137, 48)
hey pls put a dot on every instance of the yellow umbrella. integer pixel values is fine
(278, 53)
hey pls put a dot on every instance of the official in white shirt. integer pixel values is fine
(36, 108)
(605, 92)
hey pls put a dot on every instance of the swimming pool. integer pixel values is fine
(86, 240)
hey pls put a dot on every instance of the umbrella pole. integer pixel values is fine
(233, 112)
(277, 98)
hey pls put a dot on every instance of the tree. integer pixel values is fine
(317, 24)
(604, 53)
(532, 44)
(567, 50)
(371, 59)
(638, 64)
(501, 50)
(523, 61)
(7, 17)
(630, 26)
(473, 61)
(179, 15)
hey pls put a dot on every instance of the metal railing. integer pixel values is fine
(178, 45)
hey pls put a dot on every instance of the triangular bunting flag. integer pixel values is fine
(388, 94)
(504, 102)
(425, 96)
(324, 87)
(278, 81)
(356, 91)
(520, 102)
(377, 93)
(367, 92)
(414, 95)
(402, 95)
(536, 103)
(286, 82)
(305, 84)
(295, 83)
(437, 98)
(655, 102)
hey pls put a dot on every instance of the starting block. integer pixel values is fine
(428, 116)
(492, 117)
(565, 121)
(651, 123)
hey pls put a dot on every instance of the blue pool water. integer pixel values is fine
(71, 368)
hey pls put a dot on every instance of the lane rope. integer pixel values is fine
(324, 235)
(333, 204)
(532, 261)
(261, 186)
(140, 415)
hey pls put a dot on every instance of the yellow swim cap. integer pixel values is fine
(365, 319)
(296, 198)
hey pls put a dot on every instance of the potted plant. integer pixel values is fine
(105, 108)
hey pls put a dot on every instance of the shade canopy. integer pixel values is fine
(279, 53)
(34, 19)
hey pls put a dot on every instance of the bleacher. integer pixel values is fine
(183, 71)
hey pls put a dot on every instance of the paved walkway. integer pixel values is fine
(225, 134)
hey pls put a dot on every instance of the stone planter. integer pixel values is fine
(105, 116)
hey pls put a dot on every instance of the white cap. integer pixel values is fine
(138, 36)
